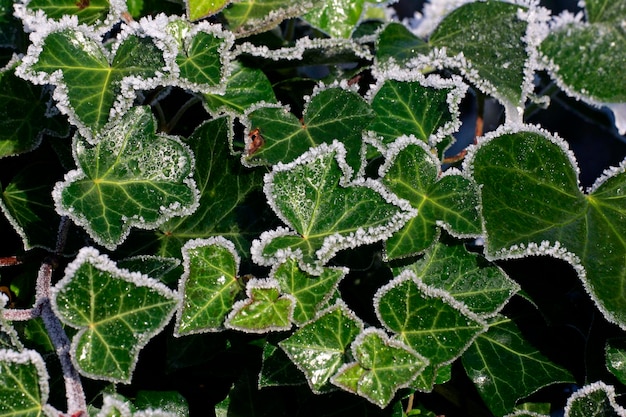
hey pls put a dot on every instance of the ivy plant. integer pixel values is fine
(312, 208)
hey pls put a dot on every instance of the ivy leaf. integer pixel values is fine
(615, 358)
(319, 347)
(482, 286)
(23, 384)
(331, 114)
(208, 286)
(428, 320)
(337, 18)
(116, 312)
(382, 367)
(326, 212)
(217, 175)
(265, 309)
(506, 368)
(132, 177)
(91, 83)
(594, 400)
(427, 108)
(23, 115)
(247, 17)
(398, 44)
(198, 9)
(88, 12)
(532, 205)
(412, 172)
(277, 369)
(310, 292)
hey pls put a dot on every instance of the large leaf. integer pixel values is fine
(396, 43)
(413, 173)
(337, 18)
(318, 348)
(132, 177)
(23, 384)
(506, 368)
(331, 114)
(115, 311)
(91, 83)
(594, 400)
(532, 205)
(382, 367)
(327, 213)
(208, 286)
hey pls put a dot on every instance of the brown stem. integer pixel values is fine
(9, 261)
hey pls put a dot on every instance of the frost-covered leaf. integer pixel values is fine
(337, 18)
(318, 348)
(198, 9)
(532, 205)
(9, 338)
(245, 87)
(91, 82)
(224, 186)
(209, 285)
(171, 402)
(381, 367)
(115, 311)
(23, 115)
(605, 10)
(23, 384)
(615, 358)
(310, 292)
(326, 212)
(413, 173)
(246, 17)
(594, 400)
(153, 266)
(331, 114)
(265, 309)
(396, 42)
(277, 369)
(87, 11)
(131, 177)
(426, 108)
(428, 320)
(482, 286)
(506, 368)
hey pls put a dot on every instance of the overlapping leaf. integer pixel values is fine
(337, 18)
(209, 285)
(131, 177)
(319, 347)
(398, 44)
(594, 400)
(23, 384)
(532, 204)
(413, 173)
(332, 114)
(89, 12)
(615, 358)
(248, 17)
(198, 9)
(506, 368)
(326, 212)
(115, 311)
(382, 367)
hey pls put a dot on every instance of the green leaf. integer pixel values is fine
(382, 367)
(327, 213)
(198, 9)
(247, 17)
(424, 107)
(413, 173)
(398, 44)
(91, 84)
(265, 309)
(428, 320)
(491, 36)
(532, 205)
(331, 114)
(594, 400)
(319, 347)
(615, 358)
(132, 177)
(245, 87)
(605, 10)
(167, 401)
(310, 292)
(337, 18)
(23, 115)
(208, 286)
(116, 312)
(23, 384)
(224, 186)
(277, 369)
(89, 12)
(506, 368)
(482, 286)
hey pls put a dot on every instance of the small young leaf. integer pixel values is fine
(116, 312)
(23, 384)
(382, 367)
(615, 358)
(208, 286)
(132, 177)
(319, 347)
(337, 18)
(506, 368)
(594, 400)
(412, 172)
(265, 309)
(326, 212)
(198, 9)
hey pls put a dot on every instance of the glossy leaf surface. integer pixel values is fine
(594, 400)
(247, 17)
(337, 18)
(615, 358)
(198, 9)
(87, 11)
(23, 384)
